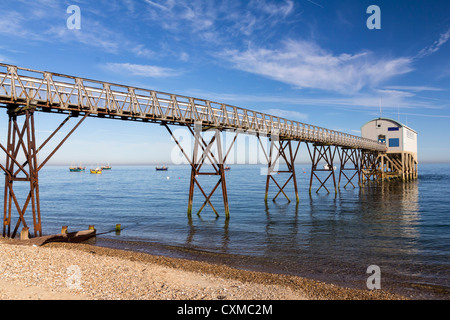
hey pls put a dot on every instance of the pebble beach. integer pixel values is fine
(70, 271)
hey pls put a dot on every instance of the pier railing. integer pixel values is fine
(53, 92)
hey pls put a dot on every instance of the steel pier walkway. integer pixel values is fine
(24, 91)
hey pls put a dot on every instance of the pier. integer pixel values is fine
(349, 160)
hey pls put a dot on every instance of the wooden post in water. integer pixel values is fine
(24, 233)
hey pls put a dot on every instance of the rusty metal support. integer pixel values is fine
(370, 170)
(198, 160)
(349, 156)
(277, 150)
(322, 152)
(21, 144)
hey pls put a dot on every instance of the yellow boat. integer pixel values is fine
(96, 171)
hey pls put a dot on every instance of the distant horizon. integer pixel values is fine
(180, 165)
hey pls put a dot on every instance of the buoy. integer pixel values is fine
(64, 229)
(91, 227)
(118, 227)
(168, 178)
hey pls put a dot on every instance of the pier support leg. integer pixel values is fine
(277, 150)
(326, 153)
(397, 165)
(21, 145)
(369, 166)
(202, 153)
(349, 156)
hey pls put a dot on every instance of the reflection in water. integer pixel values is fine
(225, 239)
(402, 228)
(331, 237)
(397, 207)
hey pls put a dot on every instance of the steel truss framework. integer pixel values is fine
(370, 167)
(53, 92)
(277, 150)
(24, 92)
(21, 144)
(398, 165)
(326, 153)
(359, 165)
(202, 152)
(352, 157)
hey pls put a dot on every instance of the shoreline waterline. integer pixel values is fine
(401, 287)
(107, 273)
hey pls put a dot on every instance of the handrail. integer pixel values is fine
(68, 93)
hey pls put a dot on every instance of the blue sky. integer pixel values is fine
(312, 61)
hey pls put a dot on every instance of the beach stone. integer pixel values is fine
(81, 271)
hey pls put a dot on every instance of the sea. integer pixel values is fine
(403, 229)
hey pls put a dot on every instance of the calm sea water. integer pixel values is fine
(404, 228)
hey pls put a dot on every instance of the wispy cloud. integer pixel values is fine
(427, 115)
(315, 3)
(4, 59)
(304, 64)
(415, 88)
(364, 101)
(86, 36)
(13, 23)
(45, 21)
(287, 114)
(141, 70)
(443, 38)
(218, 20)
(159, 6)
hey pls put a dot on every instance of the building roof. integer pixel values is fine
(392, 120)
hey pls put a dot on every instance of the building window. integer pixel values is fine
(394, 143)
(393, 128)
(382, 138)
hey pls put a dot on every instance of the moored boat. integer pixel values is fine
(96, 171)
(163, 168)
(77, 169)
(108, 167)
(327, 167)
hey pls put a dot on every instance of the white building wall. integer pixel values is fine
(410, 140)
(398, 138)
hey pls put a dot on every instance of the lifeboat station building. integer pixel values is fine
(400, 159)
